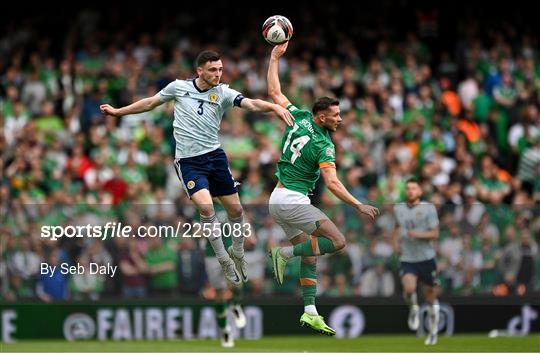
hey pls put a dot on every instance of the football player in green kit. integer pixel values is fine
(307, 152)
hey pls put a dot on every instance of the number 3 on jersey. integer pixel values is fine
(200, 110)
(296, 145)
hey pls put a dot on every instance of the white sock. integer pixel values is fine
(433, 313)
(311, 310)
(237, 242)
(287, 252)
(215, 238)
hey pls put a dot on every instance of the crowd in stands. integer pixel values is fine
(463, 118)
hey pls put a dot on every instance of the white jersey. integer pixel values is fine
(420, 217)
(197, 115)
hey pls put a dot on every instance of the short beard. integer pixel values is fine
(413, 201)
(208, 82)
(330, 127)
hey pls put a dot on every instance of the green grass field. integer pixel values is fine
(367, 343)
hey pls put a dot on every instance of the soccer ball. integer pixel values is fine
(277, 29)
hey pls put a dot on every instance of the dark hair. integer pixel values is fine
(412, 180)
(323, 103)
(206, 56)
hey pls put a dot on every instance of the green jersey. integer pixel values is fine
(164, 254)
(305, 148)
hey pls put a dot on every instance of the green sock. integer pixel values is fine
(221, 313)
(308, 282)
(315, 246)
(238, 294)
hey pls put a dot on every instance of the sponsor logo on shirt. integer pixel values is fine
(329, 152)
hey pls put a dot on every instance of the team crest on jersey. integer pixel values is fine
(190, 184)
(213, 97)
(329, 152)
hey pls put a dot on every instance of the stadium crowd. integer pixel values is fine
(464, 118)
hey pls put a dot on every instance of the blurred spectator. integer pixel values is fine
(25, 268)
(490, 259)
(492, 185)
(377, 281)
(161, 259)
(468, 91)
(450, 250)
(15, 122)
(33, 92)
(191, 274)
(53, 287)
(86, 285)
(528, 255)
(472, 210)
(529, 167)
(467, 280)
(132, 270)
(510, 261)
(340, 287)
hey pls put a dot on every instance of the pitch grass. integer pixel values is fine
(315, 343)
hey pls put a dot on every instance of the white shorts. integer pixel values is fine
(294, 213)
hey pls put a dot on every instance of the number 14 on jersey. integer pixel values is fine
(296, 145)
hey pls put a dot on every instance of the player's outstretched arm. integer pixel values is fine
(256, 105)
(274, 86)
(335, 186)
(144, 105)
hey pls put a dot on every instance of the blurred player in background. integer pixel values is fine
(201, 164)
(417, 226)
(226, 296)
(307, 152)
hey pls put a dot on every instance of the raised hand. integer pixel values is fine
(279, 50)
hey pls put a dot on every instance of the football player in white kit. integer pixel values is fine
(201, 164)
(417, 226)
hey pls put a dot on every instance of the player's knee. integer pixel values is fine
(409, 291)
(206, 210)
(340, 243)
(330, 231)
(409, 288)
(235, 211)
(309, 260)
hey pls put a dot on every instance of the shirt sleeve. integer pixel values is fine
(232, 98)
(327, 156)
(290, 107)
(433, 219)
(168, 92)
